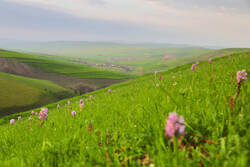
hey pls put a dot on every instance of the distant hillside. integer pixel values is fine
(58, 65)
(69, 45)
(20, 93)
(221, 52)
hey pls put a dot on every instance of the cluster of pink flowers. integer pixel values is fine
(241, 76)
(12, 121)
(156, 72)
(193, 67)
(73, 113)
(81, 100)
(91, 97)
(32, 112)
(58, 106)
(43, 114)
(210, 60)
(30, 119)
(174, 126)
(109, 90)
(197, 63)
(19, 118)
(68, 102)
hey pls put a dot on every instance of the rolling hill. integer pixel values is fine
(56, 65)
(20, 93)
(126, 125)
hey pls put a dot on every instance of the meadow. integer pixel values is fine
(22, 93)
(141, 60)
(57, 65)
(125, 124)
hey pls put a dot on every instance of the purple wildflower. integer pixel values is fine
(81, 100)
(12, 121)
(197, 63)
(241, 76)
(91, 97)
(43, 114)
(175, 125)
(73, 113)
(58, 106)
(32, 112)
(68, 102)
(210, 60)
(193, 67)
(30, 119)
(19, 118)
(156, 72)
(109, 90)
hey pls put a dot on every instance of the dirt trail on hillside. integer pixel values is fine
(78, 85)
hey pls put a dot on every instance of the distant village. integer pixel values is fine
(101, 64)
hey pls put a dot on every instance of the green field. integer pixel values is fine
(56, 64)
(128, 124)
(141, 60)
(144, 60)
(21, 93)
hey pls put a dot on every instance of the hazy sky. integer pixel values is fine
(197, 22)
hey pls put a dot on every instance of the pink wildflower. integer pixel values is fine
(58, 106)
(32, 112)
(241, 76)
(90, 126)
(87, 99)
(81, 105)
(193, 67)
(73, 113)
(36, 113)
(160, 78)
(19, 118)
(30, 119)
(156, 72)
(109, 90)
(210, 60)
(81, 100)
(197, 63)
(43, 114)
(175, 125)
(12, 121)
(68, 102)
(91, 97)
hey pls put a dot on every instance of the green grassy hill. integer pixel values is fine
(127, 126)
(21, 93)
(56, 64)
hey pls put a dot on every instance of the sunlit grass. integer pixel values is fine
(128, 124)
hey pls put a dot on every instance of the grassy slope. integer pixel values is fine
(21, 93)
(146, 59)
(130, 122)
(57, 65)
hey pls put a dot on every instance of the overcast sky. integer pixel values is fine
(197, 22)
